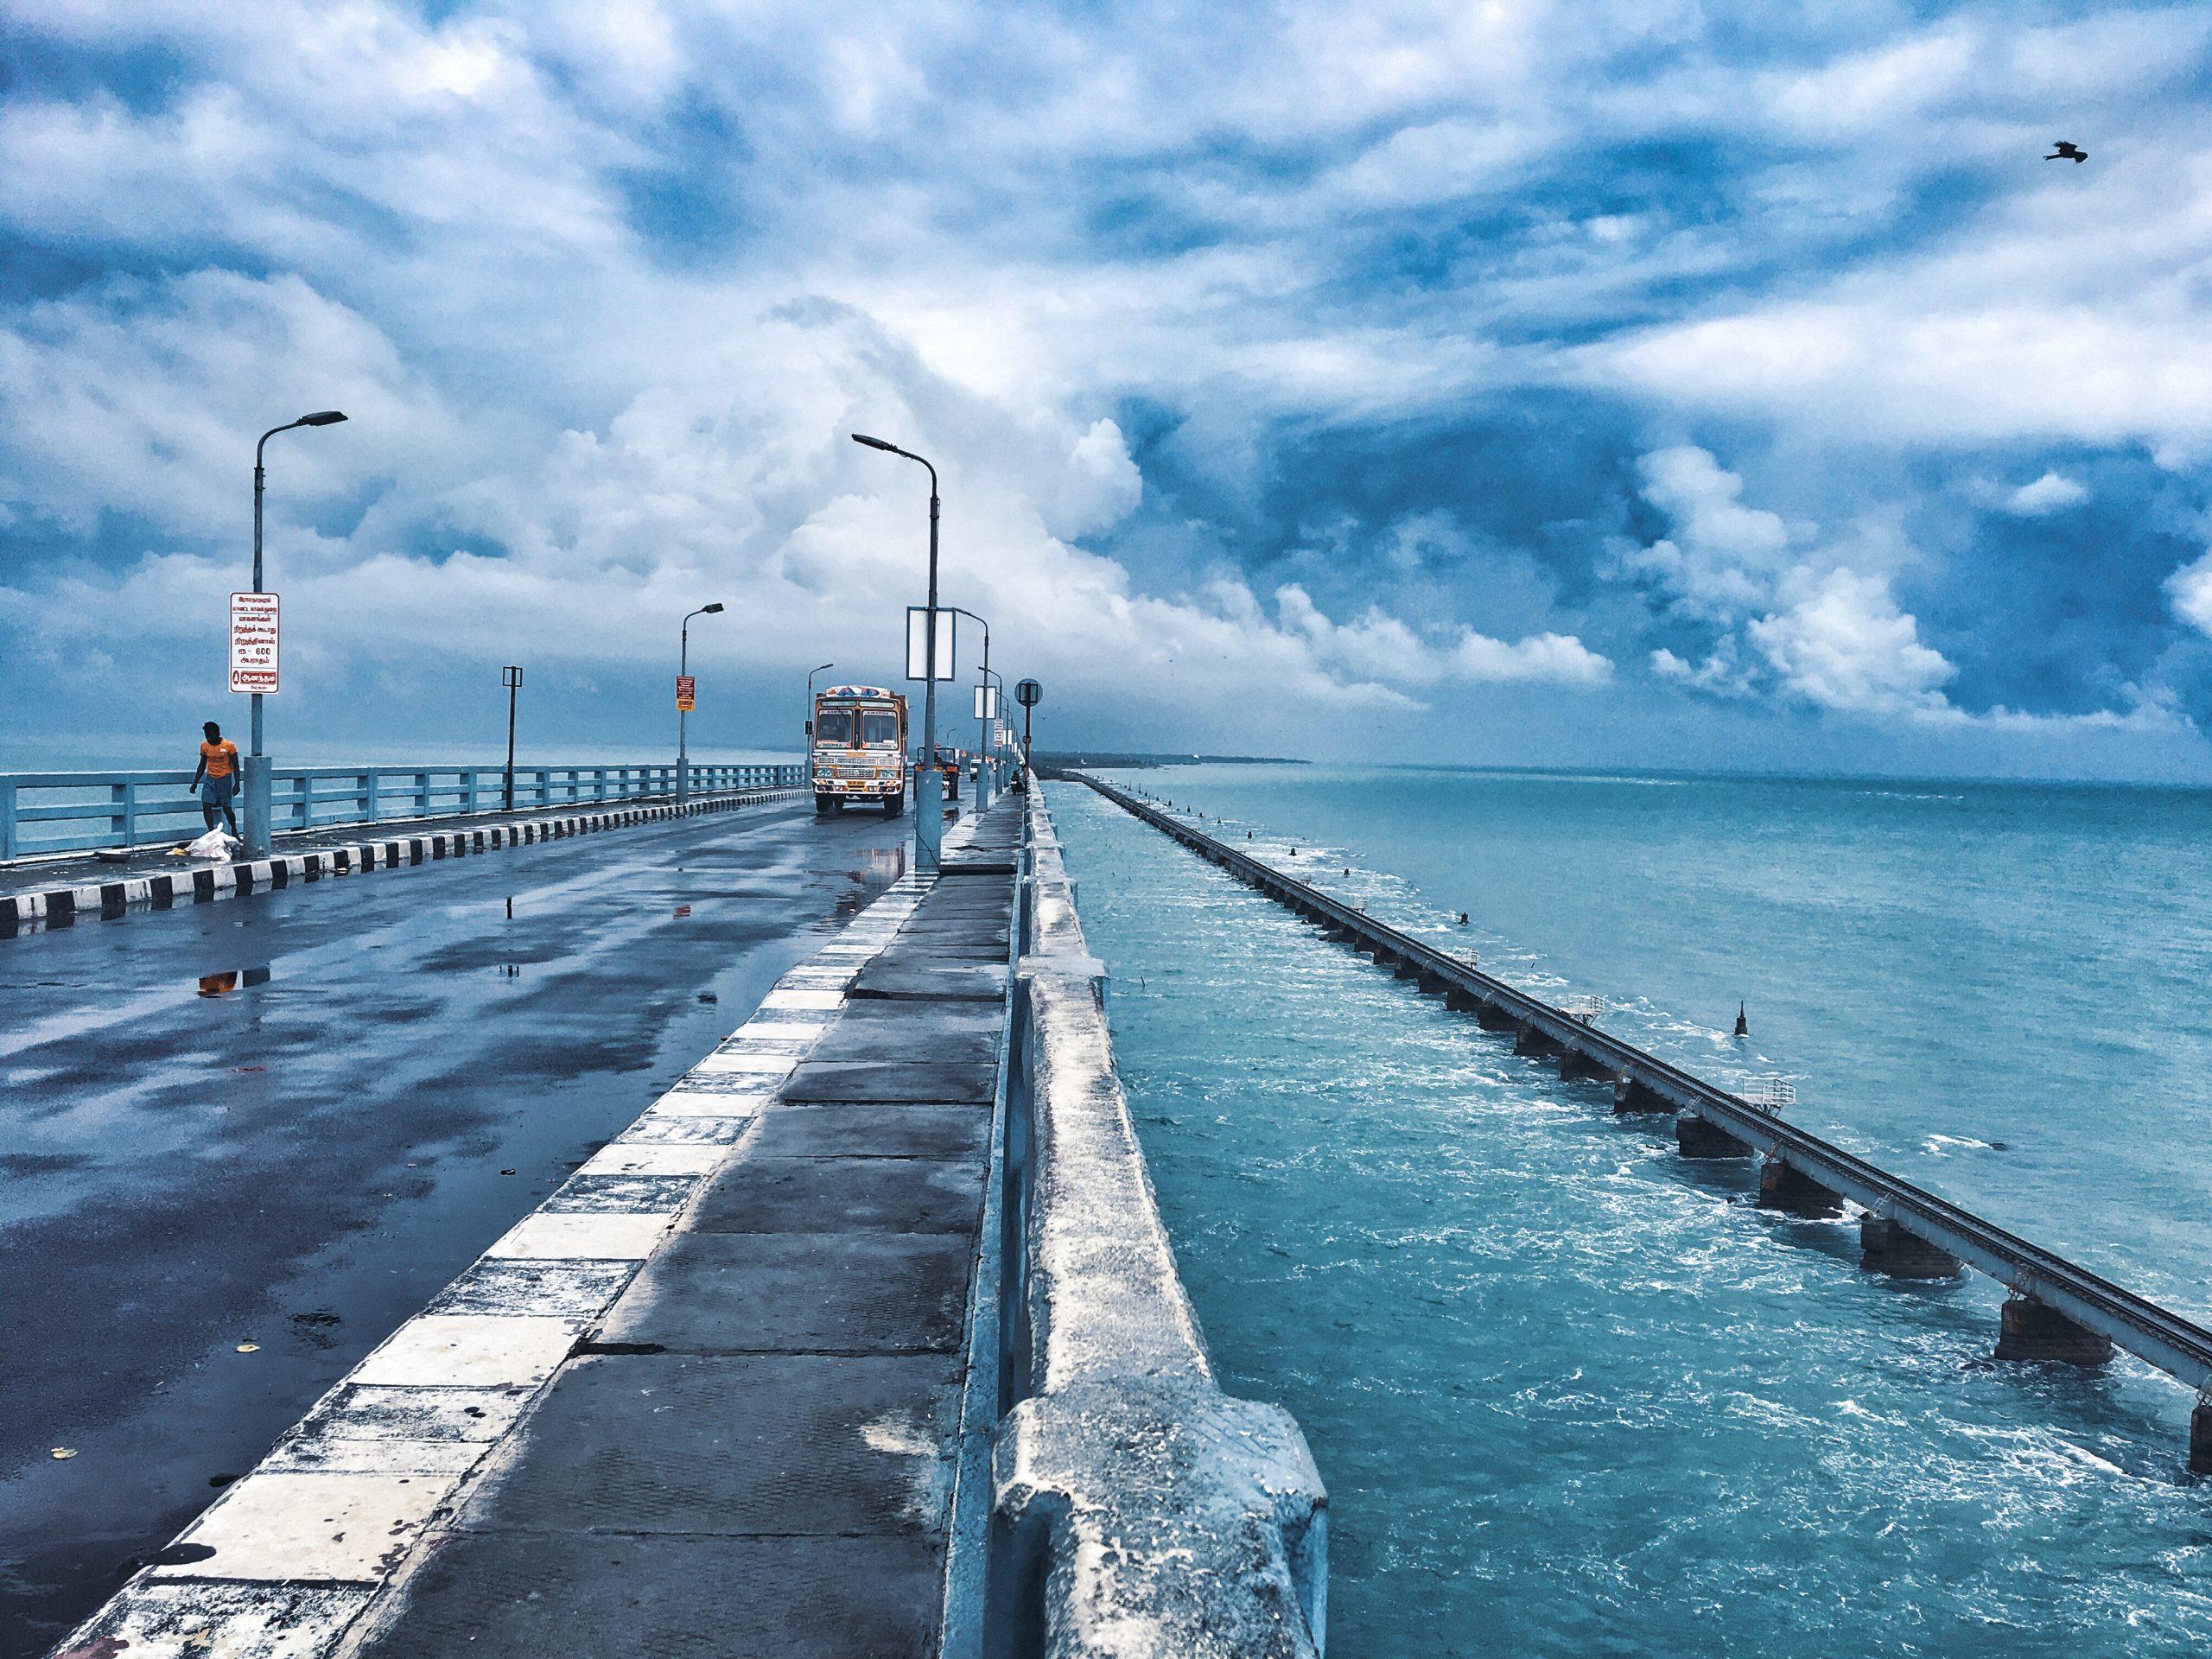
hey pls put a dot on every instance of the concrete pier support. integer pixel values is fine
(1408, 970)
(1575, 1066)
(2029, 1329)
(1460, 1000)
(1630, 1095)
(1701, 1137)
(1490, 1017)
(2200, 1437)
(1787, 1188)
(1884, 1246)
(1528, 1040)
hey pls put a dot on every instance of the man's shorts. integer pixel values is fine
(218, 791)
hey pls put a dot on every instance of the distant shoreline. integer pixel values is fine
(1049, 761)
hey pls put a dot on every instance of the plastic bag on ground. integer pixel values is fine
(219, 845)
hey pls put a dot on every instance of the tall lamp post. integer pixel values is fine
(256, 765)
(682, 701)
(982, 733)
(998, 759)
(929, 787)
(510, 677)
(810, 673)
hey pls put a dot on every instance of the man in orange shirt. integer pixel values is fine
(216, 777)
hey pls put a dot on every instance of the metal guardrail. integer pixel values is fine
(2165, 1339)
(75, 811)
(1136, 1508)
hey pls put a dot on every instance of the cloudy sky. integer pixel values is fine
(1673, 385)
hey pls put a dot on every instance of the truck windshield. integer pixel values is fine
(879, 729)
(833, 726)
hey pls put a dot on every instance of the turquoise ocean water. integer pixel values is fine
(1573, 1395)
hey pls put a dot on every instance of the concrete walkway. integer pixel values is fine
(754, 1453)
(755, 1456)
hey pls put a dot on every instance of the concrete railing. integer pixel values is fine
(1137, 1510)
(71, 811)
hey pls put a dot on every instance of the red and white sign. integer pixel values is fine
(686, 692)
(253, 642)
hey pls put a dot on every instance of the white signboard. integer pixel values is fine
(253, 642)
(918, 639)
(987, 702)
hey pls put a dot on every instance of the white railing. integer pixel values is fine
(73, 812)
(1770, 1093)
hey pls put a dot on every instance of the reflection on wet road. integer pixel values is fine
(239, 1142)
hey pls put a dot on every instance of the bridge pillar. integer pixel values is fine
(1490, 1017)
(1785, 1187)
(1884, 1246)
(1461, 1000)
(1408, 970)
(1575, 1066)
(1630, 1095)
(2200, 1437)
(1433, 985)
(1528, 1040)
(2028, 1330)
(1701, 1137)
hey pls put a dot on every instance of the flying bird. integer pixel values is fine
(2067, 152)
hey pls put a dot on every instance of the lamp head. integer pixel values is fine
(323, 417)
(875, 443)
(709, 610)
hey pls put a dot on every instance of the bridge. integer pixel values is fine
(2057, 1310)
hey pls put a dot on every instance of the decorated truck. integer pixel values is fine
(856, 746)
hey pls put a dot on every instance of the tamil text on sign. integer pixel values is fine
(253, 642)
(686, 692)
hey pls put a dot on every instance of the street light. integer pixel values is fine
(256, 766)
(810, 673)
(682, 711)
(982, 784)
(510, 677)
(929, 787)
(998, 757)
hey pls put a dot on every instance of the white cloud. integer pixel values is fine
(2189, 590)
(1723, 557)
(1846, 646)
(1381, 647)
(2052, 492)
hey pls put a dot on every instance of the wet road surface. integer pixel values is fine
(282, 1124)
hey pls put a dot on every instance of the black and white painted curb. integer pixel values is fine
(30, 912)
(286, 1563)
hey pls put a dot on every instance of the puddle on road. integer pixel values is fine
(236, 979)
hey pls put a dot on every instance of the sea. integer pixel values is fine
(1574, 1394)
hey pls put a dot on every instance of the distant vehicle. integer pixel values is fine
(857, 749)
